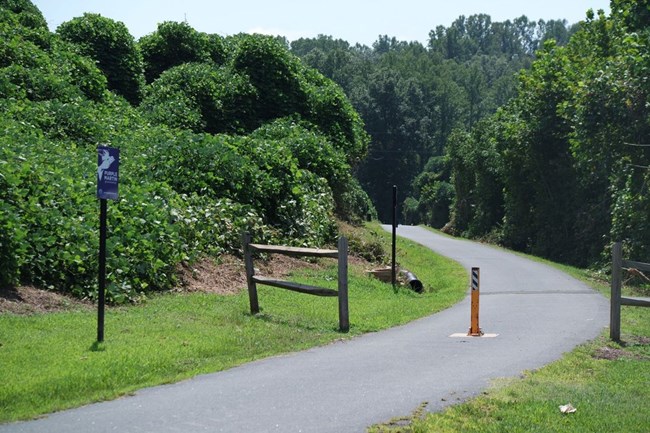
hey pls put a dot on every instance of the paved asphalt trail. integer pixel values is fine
(538, 312)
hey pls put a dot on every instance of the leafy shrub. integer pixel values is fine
(12, 236)
(260, 81)
(331, 110)
(200, 97)
(352, 203)
(47, 206)
(21, 45)
(312, 149)
(199, 164)
(145, 243)
(80, 72)
(312, 216)
(214, 227)
(12, 231)
(77, 121)
(274, 178)
(35, 67)
(367, 244)
(275, 73)
(24, 12)
(316, 153)
(173, 44)
(110, 44)
(217, 49)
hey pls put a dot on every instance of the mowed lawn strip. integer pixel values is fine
(51, 362)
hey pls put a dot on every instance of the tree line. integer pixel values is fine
(562, 170)
(533, 135)
(411, 97)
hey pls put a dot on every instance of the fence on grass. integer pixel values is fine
(617, 299)
(341, 254)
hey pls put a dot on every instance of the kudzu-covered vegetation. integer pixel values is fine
(221, 135)
(231, 134)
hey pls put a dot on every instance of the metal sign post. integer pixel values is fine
(393, 269)
(108, 163)
(102, 270)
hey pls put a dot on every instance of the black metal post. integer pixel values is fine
(393, 270)
(102, 270)
(344, 312)
(615, 298)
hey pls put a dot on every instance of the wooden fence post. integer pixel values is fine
(615, 301)
(344, 317)
(250, 271)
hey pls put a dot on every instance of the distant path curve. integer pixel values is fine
(538, 312)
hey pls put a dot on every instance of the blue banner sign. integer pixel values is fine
(108, 172)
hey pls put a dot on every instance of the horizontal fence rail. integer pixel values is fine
(618, 264)
(294, 251)
(341, 254)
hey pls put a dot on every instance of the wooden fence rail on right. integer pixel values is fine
(616, 298)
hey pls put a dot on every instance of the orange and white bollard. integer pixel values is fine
(474, 329)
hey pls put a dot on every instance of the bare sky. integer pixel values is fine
(354, 21)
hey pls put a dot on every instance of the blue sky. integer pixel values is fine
(353, 21)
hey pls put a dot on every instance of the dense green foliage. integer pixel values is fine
(111, 45)
(257, 81)
(561, 171)
(173, 44)
(201, 97)
(25, 13)
(202, 158)
(239, 127)
(546, 161)
(411, 97)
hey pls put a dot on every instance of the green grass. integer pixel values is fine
(50, 361)
(611, 395)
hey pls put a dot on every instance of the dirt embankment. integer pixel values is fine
(225, 277)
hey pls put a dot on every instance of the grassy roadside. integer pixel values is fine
(50, 361)
(606, 382)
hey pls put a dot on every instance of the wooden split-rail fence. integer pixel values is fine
(253, 280)
(618, 264)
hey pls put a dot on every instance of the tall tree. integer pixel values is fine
(571, 167)
(411, 97)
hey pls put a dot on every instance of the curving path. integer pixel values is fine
(538, 312)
